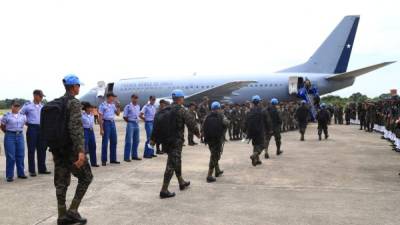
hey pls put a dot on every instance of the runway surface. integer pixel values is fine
(351, 178)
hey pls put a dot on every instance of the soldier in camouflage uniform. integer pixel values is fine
(228, 114)
(264, 123)
(235, 120)
(370, 117)
(215, 144)
(192, 111)
(71, 159)
(276, 128)
(174, 150)
(243, 112)
(202, 111)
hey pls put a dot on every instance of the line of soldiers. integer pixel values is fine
(236, 114)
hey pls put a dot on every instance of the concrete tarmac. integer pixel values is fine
(351, 178)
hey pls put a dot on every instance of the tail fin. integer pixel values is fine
(334, 54)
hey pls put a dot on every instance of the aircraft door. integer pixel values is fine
(293, 85)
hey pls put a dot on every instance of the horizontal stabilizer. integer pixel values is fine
(358, 72)
(218, 92)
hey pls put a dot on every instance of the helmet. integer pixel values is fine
(274, 101)
(177, 93)
(215, 105)
(323, 105)
(303, 102)
(255, 98)
(71, 79)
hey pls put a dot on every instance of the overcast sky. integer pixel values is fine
(41, 41)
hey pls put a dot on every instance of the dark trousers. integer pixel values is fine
(35, 144)
(216, 151)
(110, 134)
(90, 146)
(277, 136)
(174, 162)
(324, 128)
(63, 168)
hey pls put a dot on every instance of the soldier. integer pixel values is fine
(171, 136)
(243, 112)
(163, 104)
(302, 115)
(285, 117)
(132, 136)
(107, 112)
(235, 116)
(258, 123)
(12, 124)
(34, 142)
(361, 111)
(323, 118)
(213, 132)
(370, 117)
(340, 115)
(68, 153)
(228, 115)
(147, 115)
(347, 114)
(192, 111)
(88, 127)
(276, 121)
(203, 111)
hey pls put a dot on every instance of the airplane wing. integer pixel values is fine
(218, 92)
(359, 72)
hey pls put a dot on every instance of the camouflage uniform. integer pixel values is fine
(276, 128)
(174, 150)
(64, 159)
(259, 142)
(216, 148)
(190, 133)
(235, 120)
(202, 111)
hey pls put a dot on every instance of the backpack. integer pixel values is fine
(53, 123)
(213, 127)
(255, 123)
(164, 127)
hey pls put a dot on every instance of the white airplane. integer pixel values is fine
(326, 70)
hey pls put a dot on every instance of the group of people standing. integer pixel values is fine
(12, 124)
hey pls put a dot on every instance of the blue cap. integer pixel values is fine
(256, 98)
(323, 105)
(303, 102)
(71, 79)
(274, 101)
(177, 94)
(215, 105)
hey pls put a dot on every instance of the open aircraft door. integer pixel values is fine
(293, 85)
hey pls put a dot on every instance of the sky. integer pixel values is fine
(43, 40)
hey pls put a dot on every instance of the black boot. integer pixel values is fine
(211, 179)
(166, 194)
(278, 149)
(253, 160)
(71, 218)
(184, 185)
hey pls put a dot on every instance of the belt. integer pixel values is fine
(33, 125)
(88, 128)
(14, 132)
(132, 121)
(108, 120)
(149, 121)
